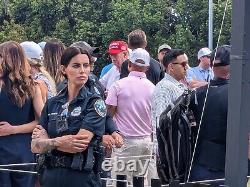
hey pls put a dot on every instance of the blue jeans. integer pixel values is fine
(200, 173)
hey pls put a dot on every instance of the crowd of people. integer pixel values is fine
(54, 110)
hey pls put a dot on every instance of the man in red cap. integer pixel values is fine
(118, 52)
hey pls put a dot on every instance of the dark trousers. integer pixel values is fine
(61, 177)
(14, 179)
(200, 173)
(22, 155)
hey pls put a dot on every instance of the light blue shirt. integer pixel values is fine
(199, 74)
(105, 69)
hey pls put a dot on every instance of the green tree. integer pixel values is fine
(193, 18)
(12, 31)
(180, 23)
(126, 16)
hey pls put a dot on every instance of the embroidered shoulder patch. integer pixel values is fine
(100, 107)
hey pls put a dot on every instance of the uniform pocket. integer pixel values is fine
(52, 124)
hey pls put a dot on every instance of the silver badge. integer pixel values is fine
(100, 107)
(76, 111)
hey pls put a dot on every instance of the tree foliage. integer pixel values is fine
(180, 23)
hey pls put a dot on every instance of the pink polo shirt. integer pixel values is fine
(133, 97)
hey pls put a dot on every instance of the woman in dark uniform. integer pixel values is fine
(74, 122)
(20, 102)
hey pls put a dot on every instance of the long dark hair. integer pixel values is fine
(15, 73)
(52, 54)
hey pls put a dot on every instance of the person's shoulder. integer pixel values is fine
(193, 69)
(163, 85)
(107, 67)
(52, 102)
(160, 83)
(59, 97)
(151, 87)
(93, 77)
(87, 93)
(152, 60)
(164, 82)
(113, 68)
(192, 72)
(109, 73)
(219, 86)
(122, 81)
(61, 85)
(154, 63)
(149, 83)
(162, 90)
(90, 97)
(119, 84)
(201, 90)
(113, 72)
(93, 95)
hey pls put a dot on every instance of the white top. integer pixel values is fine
(109, 78)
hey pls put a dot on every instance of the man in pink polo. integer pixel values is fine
(129, 102)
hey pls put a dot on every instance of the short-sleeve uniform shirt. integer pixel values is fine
(86, 111)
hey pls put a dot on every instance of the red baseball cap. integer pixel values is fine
(116, 47)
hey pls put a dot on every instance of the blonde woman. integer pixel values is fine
(38, 72)
(46, 82)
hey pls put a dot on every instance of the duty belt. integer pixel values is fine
(60, 161)
(90, 160)
(75, 162)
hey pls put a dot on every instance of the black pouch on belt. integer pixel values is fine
(77, 162)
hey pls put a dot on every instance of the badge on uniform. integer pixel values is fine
(76, 111)
(100, 107)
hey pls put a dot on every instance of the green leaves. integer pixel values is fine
(12, 31)
(179, 23)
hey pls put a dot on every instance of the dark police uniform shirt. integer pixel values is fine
(155, 72)
(95, 87)
(15, 148)
(211, 147)
(86, 111)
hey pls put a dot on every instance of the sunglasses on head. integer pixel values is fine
(183, 64)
